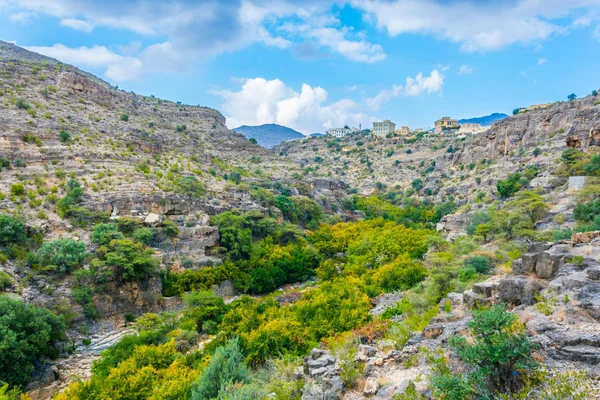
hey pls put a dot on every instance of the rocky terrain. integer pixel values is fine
(135, 157)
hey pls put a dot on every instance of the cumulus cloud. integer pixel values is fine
(117, 67)
(465, 70)
(413, 87)
(475, 25)
(261, 101)
(541, 61)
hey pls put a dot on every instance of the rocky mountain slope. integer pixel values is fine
(77, 153)
(269, 135)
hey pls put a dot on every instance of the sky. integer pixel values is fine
(312, 65)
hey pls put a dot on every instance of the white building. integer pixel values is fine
(383, 128)
(341, 132)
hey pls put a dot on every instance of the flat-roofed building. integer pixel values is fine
(383, 128)
(443, 124)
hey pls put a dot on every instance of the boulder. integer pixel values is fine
(548, 263)
(432, 331)
(472, 299)
(511, 289)
(484, 288)
(594, 273)
(371, 387)
(153, 219)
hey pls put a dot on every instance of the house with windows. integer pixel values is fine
(383, 128)
(341, 132)
(405, 130)
(444, 123)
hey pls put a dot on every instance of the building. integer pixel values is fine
(471, 128)
(383, 128)
(405, 130)
(444, 123)
(341, 132)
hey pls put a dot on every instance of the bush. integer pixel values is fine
(12, 231)
(124, 117)
(130, 260)
(481, 264)
(190, 186)
(401, 274)
(511, 185)
(64, 254)
(64, 136)
(17, 189)
(499, 356)
(226, 367)
(202, 307)
(103, 234)
(84, 296)
(28, 333)
(143, 235)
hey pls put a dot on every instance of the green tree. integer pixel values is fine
(511, 185)
(253, 141)
(103, 234)
(499, 356)
(225, 368)
(64, 254)
(571, 97)
(204, 310)
(130, 260)
(64, 136)
(27, 333)
(190, 186)
(12, 231)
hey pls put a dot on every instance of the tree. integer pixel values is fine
(202, 308)
(500, 355)
(594, 93)
(511, 185)
(253, 141)
(516, 111)
(225, 368)
(64, 254)
(190, 186)
(130, 260)
(12, 231)
(26, 334)
(417, 184)
(103, 234)
(572, 97)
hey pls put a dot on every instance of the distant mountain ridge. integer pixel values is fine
(269, 135)
(485, 120)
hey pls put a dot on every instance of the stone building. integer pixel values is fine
(471, 128)
(444, 123)
(405, 130)
(383, 128)
(341, 132)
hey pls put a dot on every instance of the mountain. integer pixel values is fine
(485, 120)
(269, 135)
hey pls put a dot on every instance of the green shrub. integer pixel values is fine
(12, 231)
(5, 280)
(84, 297)
(130, 260)
(225, 368)
(511, 185)
(64, 136)
(203, 307)
(64, 254)
(103, 234)
(499, 357)
(190, 186)
(481, 264)
(28, 333)
(143, 235)
(17, 189)
(124, 117)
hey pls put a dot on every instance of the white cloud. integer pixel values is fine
(541, 61)
(356, 50)
(23, 16)
(465, 70)
(77, 24)
(118, 68)
(476, 26)
(443, 67)
(596, 33)
(261, 101)
(413, 87)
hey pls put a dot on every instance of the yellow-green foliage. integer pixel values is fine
(155, 372)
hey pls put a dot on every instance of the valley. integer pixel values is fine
(149, 252)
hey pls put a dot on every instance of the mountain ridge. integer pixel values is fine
(269, 135)
(485, 120)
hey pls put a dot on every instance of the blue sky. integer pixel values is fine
(311, 65)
